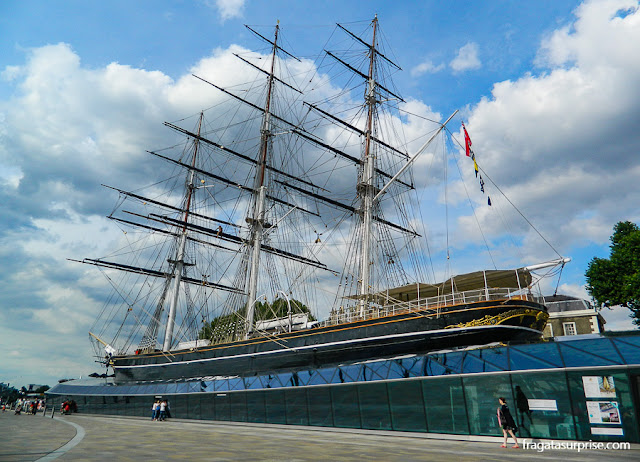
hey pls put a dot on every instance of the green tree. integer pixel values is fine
(616, 280)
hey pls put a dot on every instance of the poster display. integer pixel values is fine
(543, 405)
(607, 431)
(603, 412)
(599, 386)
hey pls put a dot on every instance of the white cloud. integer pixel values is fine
(466, 59)
(562, 145)
(66, 130)
(228, 8)
(426, 67)
(10, 73)
(574, 291)
(608, 24)
(618, 318)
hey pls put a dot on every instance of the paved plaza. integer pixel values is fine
(108, 438)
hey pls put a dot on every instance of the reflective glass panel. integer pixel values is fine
(352, 373)
(281, 380)
(346, 412)
(236, 384)
(194, 406)
(221, 406)
(445, 363)
(376, 371)
(595, 352)
(179, 406)
(256, 410)
(206, 385)
(275, 406)
(407, 405)
(444, 405)
(630, 339)
(193, 387)
(122, 390)
(170, 388)
(452, 361)
(434, 368)
(407, 367)
(149, 389)
(481, 394)
(473, 364)
(143, 406)
(535, 356)
(98, 390)
(221, 385)
(305, 376)
(251, 383)
(265, 381)
(295, 380)
(374, 406)
(603, 405)
(551, 418)
(496, 357)
(319, 403)
(238, 407)
(207, 407)
(296, 406)
(323, 376)
(182, 387)
(630, 351)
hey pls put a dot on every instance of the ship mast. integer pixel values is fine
(257, 222)
(179, 262)
(367, 184)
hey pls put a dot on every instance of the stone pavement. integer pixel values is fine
(110, 438)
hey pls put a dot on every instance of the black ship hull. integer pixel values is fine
(406, 333)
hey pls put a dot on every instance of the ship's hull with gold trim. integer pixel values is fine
(454, 326)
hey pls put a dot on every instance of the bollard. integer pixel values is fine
(53, 411)
(44, 411)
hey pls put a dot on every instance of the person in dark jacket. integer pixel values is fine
(505, 420)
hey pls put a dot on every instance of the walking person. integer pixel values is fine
(505, 420)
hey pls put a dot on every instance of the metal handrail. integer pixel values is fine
(436, 303)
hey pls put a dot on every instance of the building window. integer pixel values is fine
(569, 328)
(550, 329)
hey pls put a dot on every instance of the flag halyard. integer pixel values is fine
(469, 152)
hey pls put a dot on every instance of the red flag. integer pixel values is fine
(467, 140)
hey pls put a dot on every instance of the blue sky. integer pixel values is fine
(171, 35)
(549, 91)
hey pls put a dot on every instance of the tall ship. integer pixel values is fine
(284, 231)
